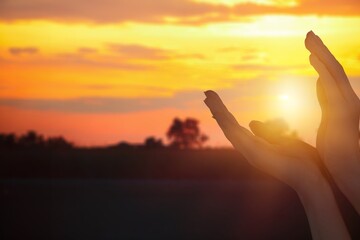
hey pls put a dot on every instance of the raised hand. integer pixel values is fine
(338, 134)
(291, 161)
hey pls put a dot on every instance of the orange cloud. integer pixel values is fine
(86, 50)
(25, 50)
(181, 100)
(164, 11)
(79, 58)
(129, 57)
(262, 68)
(140, 52)
(103, 11)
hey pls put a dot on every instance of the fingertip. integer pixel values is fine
(310, 33)
(256, 127)
(211, 105)
(254, 123)
(210, 93)
(309, 40)
(315, 61)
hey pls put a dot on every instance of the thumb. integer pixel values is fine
(323, 102)
(285, 144)
(264, 131)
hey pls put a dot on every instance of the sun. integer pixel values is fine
(289, 104)
(287, 101)
(283, 97)
(290, 100)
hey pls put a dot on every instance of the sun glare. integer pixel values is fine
(289, 102)
(292, 100)
(283, 97)
(290, 105)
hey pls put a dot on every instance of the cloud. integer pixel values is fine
(241, 96)
(78, 59)
(87, 50)
(133, 51)
(107, 105)
(229, 49)
(192, 56)
(103, 11)
(183, 100)
(259, 67)
(123, 57)
(141, 52)
(164, 11)
(303, 7)
(83, 56)
(16, 51)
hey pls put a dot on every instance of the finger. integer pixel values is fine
(315, 45)
(321, 95)
(241, 138)
(221, 114)
(331, 90)
(324, 117)
(218, 108)
(285, 144)
(265, 132)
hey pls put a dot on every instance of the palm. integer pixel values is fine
(289, 160)
(338, 132)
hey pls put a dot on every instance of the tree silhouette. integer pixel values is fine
(186, 134)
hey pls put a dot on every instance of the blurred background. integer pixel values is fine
(103, 129)
(100, 71)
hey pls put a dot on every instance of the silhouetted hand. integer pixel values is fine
(338, 134)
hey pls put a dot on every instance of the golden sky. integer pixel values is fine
(98, 72)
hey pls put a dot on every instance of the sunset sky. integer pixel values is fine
(99, 72)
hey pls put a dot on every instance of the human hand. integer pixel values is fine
(288, 159)
(338, 134)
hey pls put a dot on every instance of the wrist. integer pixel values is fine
(317, 188)
(322, 210)
(312, 184)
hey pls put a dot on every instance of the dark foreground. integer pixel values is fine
(146, 195)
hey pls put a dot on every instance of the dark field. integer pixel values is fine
(146, 194)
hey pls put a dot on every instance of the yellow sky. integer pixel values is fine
(257, 62)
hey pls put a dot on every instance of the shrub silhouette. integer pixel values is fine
(8, 140)
(31, 139)
(58, 143)
(152, 142)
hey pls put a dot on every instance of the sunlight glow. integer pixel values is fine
(293, 99)
(283, 97)
(288, 102)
